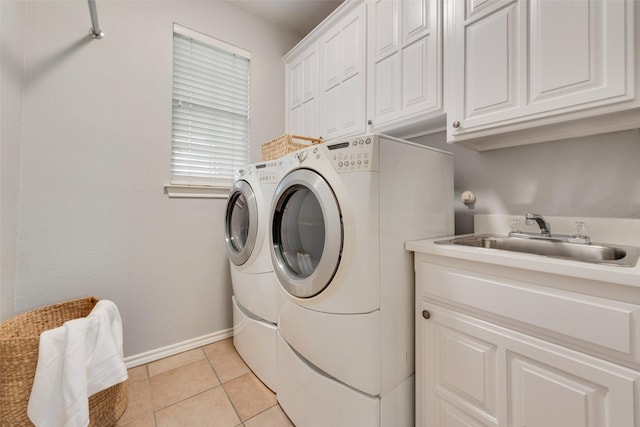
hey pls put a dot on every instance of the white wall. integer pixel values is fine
(12, 14)
(95, 156)
(597, 176)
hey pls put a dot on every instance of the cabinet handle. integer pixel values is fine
(426, 314)
(456, 124)
(369, 122)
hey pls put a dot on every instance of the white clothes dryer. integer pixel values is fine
(339, 220)
(256, 295)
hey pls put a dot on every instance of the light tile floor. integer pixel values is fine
(208, 386)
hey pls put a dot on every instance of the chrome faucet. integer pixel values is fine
(545, 227)
(545, 231)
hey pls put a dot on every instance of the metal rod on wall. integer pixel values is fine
(95, 26)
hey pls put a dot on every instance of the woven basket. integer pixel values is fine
(19, 341)
(284, 144)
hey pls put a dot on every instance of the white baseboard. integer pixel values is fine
(170, 350)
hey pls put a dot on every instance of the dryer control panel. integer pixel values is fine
(266, 172)
(353, 155)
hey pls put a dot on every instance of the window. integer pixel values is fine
(211, 110)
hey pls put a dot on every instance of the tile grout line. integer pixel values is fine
(188, 397)
(150, 388)
(224, 389)
(151, 394)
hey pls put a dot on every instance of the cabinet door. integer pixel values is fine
(302, 114)
(309, 75)
(303, 119)
(577, 53)
(342, 96)
(490, 56)
(310, 118)
(457, 373)
(404, 61)
(296, 73)
(518, 64)
(474, 373)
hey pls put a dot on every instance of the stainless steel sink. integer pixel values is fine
(625, 256)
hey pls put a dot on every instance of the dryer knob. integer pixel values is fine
(302, 156)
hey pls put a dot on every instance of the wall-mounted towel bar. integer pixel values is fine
(95, 26)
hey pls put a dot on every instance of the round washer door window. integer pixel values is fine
(307, 234)
(241, 222)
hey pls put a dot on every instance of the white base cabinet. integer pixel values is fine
(475, 373)
(478, 364)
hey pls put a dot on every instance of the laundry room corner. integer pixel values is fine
(95, 157)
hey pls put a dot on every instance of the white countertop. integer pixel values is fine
(625, 232)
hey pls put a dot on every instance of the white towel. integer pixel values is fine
(75, 361)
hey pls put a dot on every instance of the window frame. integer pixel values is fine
(220, 189)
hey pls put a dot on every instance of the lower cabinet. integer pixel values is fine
(471, 373)
(499, 346)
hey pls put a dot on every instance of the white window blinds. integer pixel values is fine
(211, 109)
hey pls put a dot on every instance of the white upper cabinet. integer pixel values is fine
(302, 94)
(325, 75)
(378, 68)
(530, 71)
(404, 65)
(342, 70)
(516, 71)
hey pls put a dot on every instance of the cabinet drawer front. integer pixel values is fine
(610, 324)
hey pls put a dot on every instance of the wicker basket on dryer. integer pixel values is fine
(284, 144)
(19, 342)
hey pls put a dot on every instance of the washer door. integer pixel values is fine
(241, 222)
(307, 234)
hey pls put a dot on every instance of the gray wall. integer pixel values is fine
(95, 156)
(92, 157)
(596, 176)
(12, 14)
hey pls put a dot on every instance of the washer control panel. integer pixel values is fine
(353, 155)
(267, 172)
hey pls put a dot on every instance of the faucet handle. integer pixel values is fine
(580, 230)
(580, 234)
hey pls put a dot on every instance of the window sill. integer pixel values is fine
(196, 191)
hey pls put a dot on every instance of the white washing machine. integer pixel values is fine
(256, 295)
(339, 219)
